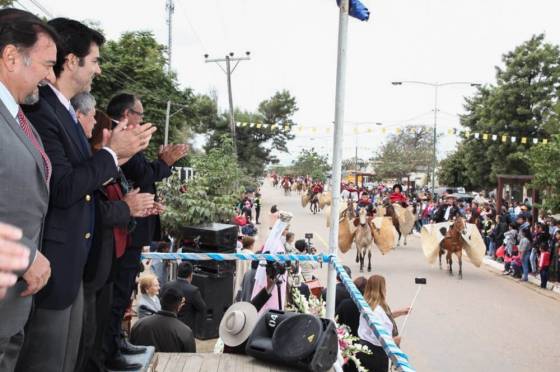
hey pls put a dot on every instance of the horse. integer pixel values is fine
(299, 187)
(314, 204)
(275, 182)
(286, 187)
(390, 212)
(363, 238)
(452, 244)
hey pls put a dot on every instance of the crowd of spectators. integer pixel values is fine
(77, 203)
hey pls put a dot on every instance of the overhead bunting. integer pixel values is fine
(467, 134)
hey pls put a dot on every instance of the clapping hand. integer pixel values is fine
(171, 153)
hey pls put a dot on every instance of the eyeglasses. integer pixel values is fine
(141, 114)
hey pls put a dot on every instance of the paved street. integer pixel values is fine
(484, 322)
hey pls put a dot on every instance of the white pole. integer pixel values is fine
(167, 116)
(337, 151)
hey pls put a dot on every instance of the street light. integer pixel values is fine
(436, 86)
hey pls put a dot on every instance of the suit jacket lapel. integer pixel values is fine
(65, 118)
(14, 125)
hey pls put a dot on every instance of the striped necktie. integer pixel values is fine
(26, 127)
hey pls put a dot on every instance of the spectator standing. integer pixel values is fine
(148, 303)
(142, 174)
(115, 208)
(27, 57)
(76, 175)
(163, 330)
(544, 265)
(525, 252)
(161, 267)
(257, 203)
(242, 267)
(194, 303)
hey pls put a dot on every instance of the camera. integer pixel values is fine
(308, 236)
(310, 249)
(274, 269)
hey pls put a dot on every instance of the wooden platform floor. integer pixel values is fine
(207, 362)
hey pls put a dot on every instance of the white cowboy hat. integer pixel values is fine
(238, 323)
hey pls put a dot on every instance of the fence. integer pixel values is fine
(397, 356)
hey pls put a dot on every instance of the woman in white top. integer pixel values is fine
(375, 295)
(148, 303)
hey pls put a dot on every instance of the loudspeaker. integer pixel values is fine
(215, 281)
(212, 237)
(299, 340)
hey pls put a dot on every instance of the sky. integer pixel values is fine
(293, 45)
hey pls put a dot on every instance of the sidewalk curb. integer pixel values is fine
(555, 287)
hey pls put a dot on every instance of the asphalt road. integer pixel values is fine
(483, 323)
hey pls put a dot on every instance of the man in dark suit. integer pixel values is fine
(115, 208)
(76, 174)
(142, 174)
(27, 55)
(163, 330)
(194, 304)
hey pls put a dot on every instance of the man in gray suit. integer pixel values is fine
(27, 57)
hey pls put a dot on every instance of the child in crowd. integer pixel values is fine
(509, 238)
(544, 264)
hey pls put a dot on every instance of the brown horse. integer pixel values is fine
(286, 187)
(390, 212)
(452, 244)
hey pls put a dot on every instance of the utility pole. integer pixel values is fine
(228, 71)
(170, 7)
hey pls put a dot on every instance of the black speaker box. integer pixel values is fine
(213, 237)
(215, 281)
(301, 341)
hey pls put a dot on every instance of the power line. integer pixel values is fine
(191, 25)
(39, 6)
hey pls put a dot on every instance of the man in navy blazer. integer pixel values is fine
(54, 328)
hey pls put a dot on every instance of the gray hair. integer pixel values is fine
(83, 102)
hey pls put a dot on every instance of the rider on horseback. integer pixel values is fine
(447, 212)
(397, 196)
(366, 203)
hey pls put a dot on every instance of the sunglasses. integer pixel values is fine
(141, 114)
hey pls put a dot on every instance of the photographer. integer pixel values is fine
(306, 268)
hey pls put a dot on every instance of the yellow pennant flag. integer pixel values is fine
(328, 130)
(450, 131)
(300, 129)
(273, 126)
(286, 127)
(504, 138)
(398, 130)
(313, 129)
(370, 130)
(484, 136)
(259, 125)
(383, 130)
(545, 141)
(524, 140)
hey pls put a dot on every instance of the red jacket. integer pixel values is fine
(544, 260)
(398, 197)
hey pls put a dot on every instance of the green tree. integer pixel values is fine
(354, 164)
(309, 162)
(452, 171)
(6, 3)
(210, 197)
(137, 63)
(255, 145)
(409, 151)
(522, 103)
(545, 163)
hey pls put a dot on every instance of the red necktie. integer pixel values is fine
(26, 127)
